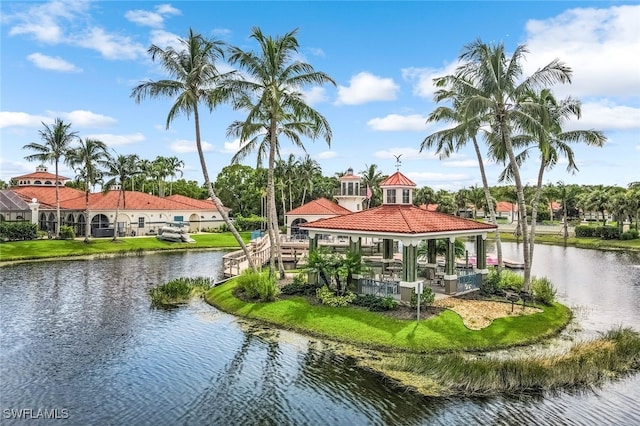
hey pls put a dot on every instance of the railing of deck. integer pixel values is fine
(376, 287)
(468, 280)
(235, 262)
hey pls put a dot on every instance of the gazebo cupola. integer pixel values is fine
(351, 193)
(397, 189)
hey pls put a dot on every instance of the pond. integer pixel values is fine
(80, 337)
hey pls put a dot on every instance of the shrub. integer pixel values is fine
(375, 303)
(67, 232)
(258, 285)
(583, 231)
(16, 231)
(626, 236)
(327, 297)
(179, 290)
(511, 280)
(491, 284)
(609, 232)
(426, 298)
(543, 290)
(300, 287)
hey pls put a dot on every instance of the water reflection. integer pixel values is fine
(81, 335)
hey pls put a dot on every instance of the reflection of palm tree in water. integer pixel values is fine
(232, 395)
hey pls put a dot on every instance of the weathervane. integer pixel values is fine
(397, 161)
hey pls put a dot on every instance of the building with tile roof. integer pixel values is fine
(138, 213)
(397, 219)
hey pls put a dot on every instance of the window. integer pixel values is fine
(350, 188)
(405, 196)
(391, 196)
(141, 222)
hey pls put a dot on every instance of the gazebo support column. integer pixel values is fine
(355, 245)
(481, 256)
(387, 249)
(312, 277)
(409, 263)
(450, 277)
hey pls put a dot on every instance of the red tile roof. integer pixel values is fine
(397, 179)
(321, 206)
(73, 199)
(505, 206)
(41, 176)
(399, 219)
(430, 207)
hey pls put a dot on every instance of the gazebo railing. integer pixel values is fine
(377, 287)
(468, 280)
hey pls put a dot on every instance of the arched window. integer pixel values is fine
(296, 232)
(37, 182)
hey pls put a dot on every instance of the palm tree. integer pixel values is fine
(87, 160)
(464, 128)
(270, 92)
(57, 140)
(308, 169)
(552, 143)
(119, 168)
(493, 86)
(174, 167)
(195, 80)
(371, 178)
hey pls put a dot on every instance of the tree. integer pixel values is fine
(238, 187)
(57, 140)
(465, 127)
(308, 169)
(425, 195)
(269, 92)
(492, 87)
(119, 169)
(551, 142)
(87, 159)
(371, 178)
(195, 80)
(174, 167)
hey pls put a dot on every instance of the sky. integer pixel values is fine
(79, 61)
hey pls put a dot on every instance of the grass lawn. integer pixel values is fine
(40, 249)
(446, 332)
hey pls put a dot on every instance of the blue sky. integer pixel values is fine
(79, 60)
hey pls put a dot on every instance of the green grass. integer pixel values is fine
(42, 249)
(445, 332)
(587, 243)
(179, 290)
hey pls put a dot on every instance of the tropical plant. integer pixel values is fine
(87, 159)
(119, 169)
(196, 80)
(371, 178)
(57, 141)
(270, 93)
(492, 86)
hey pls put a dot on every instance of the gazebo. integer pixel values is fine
(397, 219)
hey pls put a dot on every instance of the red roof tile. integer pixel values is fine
(398, 179)
(46, 195)
(321, 206)
(399, 219)
(505, 206)
(200, 204)
(41, 176)
(430, 207)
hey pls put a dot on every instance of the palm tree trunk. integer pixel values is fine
(487, 195)
(274, 234)
(115, 222)
(534, 207)
(522, 216)
(87, 226)
(57, 204)
(214, 198)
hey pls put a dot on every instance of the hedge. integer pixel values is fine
(16, 231)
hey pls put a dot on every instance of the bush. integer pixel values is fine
(17, 231)
(375, 303)
(491, 284)
(543, 290)
(427, 298)
(327, 297)
(626, 236)
(248, 223)
(300, 287)
(179, 290)
(583, 231)
(258, 285)
(511, 280)
(634, 233)
(609, 232)
(67, 232)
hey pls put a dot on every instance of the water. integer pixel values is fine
(82, 336)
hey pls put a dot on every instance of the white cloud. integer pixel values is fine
(365, 87)
(638, 147)
(110, 46)
(151, 19)
(184, 146)
(398, 123)
(51, 63)
(326, 155)
(606, 115)
(231, 147)
(221, 32)
(422, 78)
(316, 51)
(426, 178)
(601, 45)
(315, 95)
(118, 140)
(407, 154)
(82, 118)
(21, 119)
(167, 9)
(45, 21)
(462, 163)
(164, 39)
